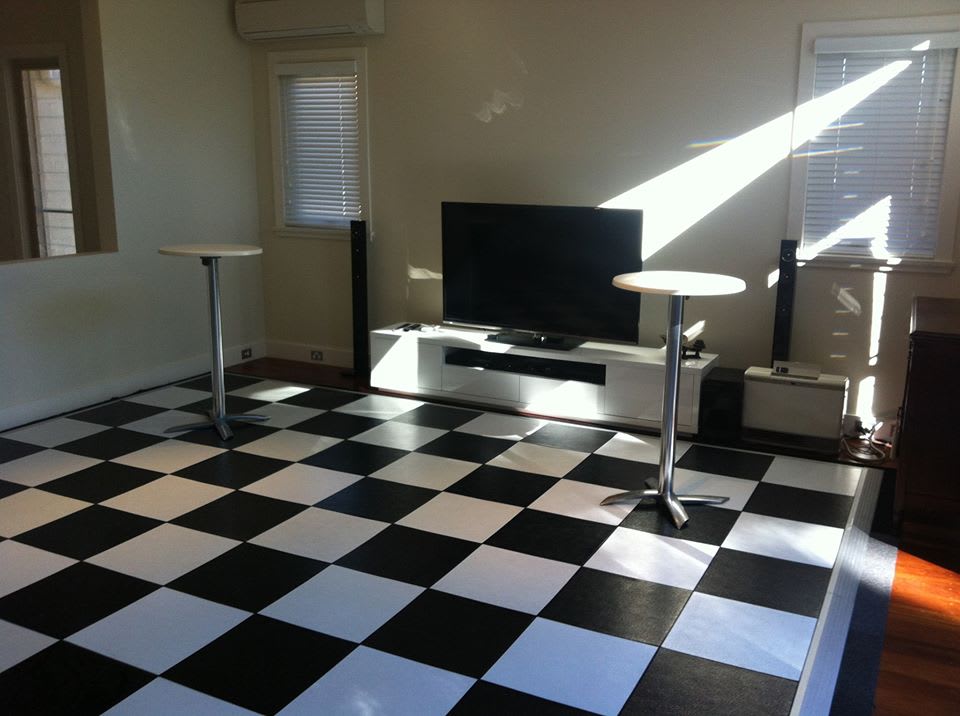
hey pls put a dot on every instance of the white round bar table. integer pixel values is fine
(210, 254)
(678, 285)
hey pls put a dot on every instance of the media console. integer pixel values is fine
(605, 383)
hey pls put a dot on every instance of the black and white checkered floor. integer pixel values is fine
(364, 554)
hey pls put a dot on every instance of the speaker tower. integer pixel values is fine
(361, 332)
(786, 287)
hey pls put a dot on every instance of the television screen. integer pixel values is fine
(543, 270)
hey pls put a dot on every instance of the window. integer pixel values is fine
(319, 140)
(880, 185)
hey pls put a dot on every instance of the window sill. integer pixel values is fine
(858, 263)
(289, 232)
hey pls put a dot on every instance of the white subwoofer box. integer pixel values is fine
(809, 407)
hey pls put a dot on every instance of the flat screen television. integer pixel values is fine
(543, 273)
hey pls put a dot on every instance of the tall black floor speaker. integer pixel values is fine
(358, 270)
(786, 287)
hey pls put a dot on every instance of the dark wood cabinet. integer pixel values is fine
(928, 476)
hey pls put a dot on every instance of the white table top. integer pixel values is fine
(211, 250)
(679, 283)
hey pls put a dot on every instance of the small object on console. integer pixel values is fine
(692, 350)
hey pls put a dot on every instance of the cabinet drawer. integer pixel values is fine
(637, 392)
(560, 397)
(481, 382)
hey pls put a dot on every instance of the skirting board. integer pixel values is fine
(340, 357)
(120, 386)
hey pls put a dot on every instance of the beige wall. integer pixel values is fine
(77, 330)
(597, 97)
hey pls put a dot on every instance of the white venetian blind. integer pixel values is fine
(874, 176)
(321, 144)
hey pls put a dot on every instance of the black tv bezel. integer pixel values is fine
(516, 334)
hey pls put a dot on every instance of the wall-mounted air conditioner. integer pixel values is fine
(272, 19)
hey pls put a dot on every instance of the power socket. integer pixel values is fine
(246, 353)
(316, 355)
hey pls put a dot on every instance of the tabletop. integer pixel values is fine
(211, 250)
(679, 283)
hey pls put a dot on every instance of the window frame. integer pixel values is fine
(949, 201)
(307, 58)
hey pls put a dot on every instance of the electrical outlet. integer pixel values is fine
(316, 355)
(246, 353)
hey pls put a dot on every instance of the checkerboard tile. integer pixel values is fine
(367, 548)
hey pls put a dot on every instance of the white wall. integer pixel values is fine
(80, 329)
(601, 96)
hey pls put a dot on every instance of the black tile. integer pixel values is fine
(793, 503)
(232, 469)
(707, 524)
(614, 472)
(10, 488)
(110, 443)
(438, 416)
(503, 485)
(375, 499)
(248, 577)
(87, 532)
(261, 664)
(14, 449)
(239, 515)
(543, 534)
(408, 555)
(620, 606)
(231, 381)
(464, 446)
(243, 433)
(682, 684)
(72, 599)
(65, 679)
(450, 632)
(356, 458)
(119, 412)
(101, 481)
(720, 461)
(234, 405)
(337, 425)
(570, 437)
(322, 398)
(775, 583)
(485, 698)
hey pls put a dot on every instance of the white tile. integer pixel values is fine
(270, 391)
(745, 635)
(19, 644)
(505, 427)
(642, 555)
(383, 407)
(288, 445)
(169, 456)
(157, 424)
(283, 415)
(639, 448)
(167, 498)
(164, 553)
(31, 508)
(22, 565)
(432, 471)
(319, 534)
(301, 483)
(785, 539)
(51, 433)
(163, 698)
(159, 630)
(508, 579)
(528, 457)
(578, 667)
(173, 396)
(368, 681)
(44, 466)
(405, 436)
(460, 516)
(343, 603)
(691, 482)
(814, 475)
(582, 500)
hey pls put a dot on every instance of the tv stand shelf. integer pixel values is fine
(605, 383)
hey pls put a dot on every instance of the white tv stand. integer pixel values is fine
(597, 382)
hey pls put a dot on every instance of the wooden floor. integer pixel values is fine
(920, 663)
